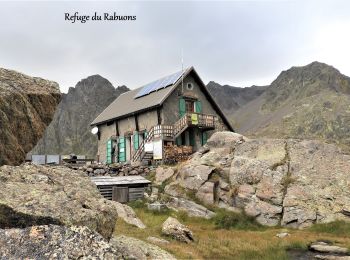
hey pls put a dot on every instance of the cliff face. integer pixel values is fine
(69, 131)
(27, 105)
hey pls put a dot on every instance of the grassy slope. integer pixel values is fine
(244, 241)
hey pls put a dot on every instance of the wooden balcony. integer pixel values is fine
(201, 120)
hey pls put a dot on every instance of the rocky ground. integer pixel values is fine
(41, 195)
(32, 102)
(54, 212)
(112, 169)
(279, 182)
(60, 214)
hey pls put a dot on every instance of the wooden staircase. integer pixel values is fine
(140, 152)
(172, 132)
(180, 126)
(147, 157)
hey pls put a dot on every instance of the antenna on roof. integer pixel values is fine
(182, 69)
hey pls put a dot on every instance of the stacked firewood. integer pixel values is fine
(174, 153)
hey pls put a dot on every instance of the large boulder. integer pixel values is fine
(128, 215)
(173, 228)
(137, 249)
(257, 171)
(318, 190)
(190, 207)
(27, 106)
(206, 193)
(225, 139)
(294, 183)
(40, 195)
(163, 174)
(193, 176)
(55, 242)
(290, 182)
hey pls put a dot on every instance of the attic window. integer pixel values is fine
(189, 86)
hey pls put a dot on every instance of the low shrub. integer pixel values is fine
(338, 227)
(227, 220)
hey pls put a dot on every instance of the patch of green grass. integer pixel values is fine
(151, 176)
(227, 220)
(297, 245)
(138, 204)
(339, 227)
(241, 238)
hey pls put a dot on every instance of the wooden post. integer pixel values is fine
(136, 123)
(116, 128)
(159, 118)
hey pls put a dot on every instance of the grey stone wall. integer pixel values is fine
(126, 125)
(106, 131)
(148, 119)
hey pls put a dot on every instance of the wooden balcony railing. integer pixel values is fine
(173, 131)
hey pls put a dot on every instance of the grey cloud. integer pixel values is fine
(237, 43)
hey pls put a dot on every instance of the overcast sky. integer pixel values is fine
(239, 43)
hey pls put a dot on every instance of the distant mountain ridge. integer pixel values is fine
(306, 102)
(231, 98)
(69, 131)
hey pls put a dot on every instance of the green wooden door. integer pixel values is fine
(182, 107)
(204, 138)
(178, 141)
(198, 106)
(109, 151)
(121, 149)
(136, 140)
(192, 137)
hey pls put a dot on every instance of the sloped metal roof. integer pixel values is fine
(127, 104)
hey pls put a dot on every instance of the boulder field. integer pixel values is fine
(292, 183)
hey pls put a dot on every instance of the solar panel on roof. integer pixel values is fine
(159, 84)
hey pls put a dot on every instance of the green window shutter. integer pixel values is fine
(109, 152)
(204, 138)
(178, 140)
(136, 140)
(121, 150)
(198, 107)
(182, 107)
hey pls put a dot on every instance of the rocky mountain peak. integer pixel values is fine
(303, 82)
(69, 131)
(315, 73)
(122, 89)
(92, 84)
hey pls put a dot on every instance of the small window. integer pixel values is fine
(189, 86)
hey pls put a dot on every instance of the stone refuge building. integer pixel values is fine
(174, 110)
